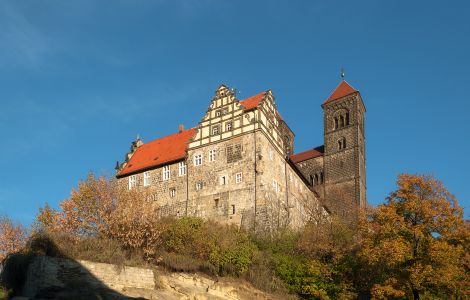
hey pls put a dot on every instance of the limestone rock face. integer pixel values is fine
(58, 278)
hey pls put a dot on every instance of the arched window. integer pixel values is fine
(347, 118)
(341, 118)
(336, 123)
(316, 179)
(311, 180)
(321, 178)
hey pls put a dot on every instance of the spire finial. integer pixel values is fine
(137, 137)
(342, 73)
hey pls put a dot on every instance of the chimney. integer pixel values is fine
(180, 128)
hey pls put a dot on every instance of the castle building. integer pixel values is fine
(237, 165)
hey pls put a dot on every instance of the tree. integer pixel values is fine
(12, 237)
(417, 243)
(86, 212)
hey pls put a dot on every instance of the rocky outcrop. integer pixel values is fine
(58, 278)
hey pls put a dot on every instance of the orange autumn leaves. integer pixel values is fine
(103, 208)
(12, 237)
(417, 243)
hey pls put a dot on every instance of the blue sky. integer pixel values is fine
(79, 80)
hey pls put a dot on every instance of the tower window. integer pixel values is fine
(342, 144)
(316, 180)
(347, 118)
(341, 119)
(172, 192)
(336, 123)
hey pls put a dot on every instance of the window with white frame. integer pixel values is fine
(212, 154)
(238, 177)
(198, 159)
(182, 168)
(166, 172)
(132, 181)
(147, 178)
(228, 126)
(199, 186)
(172, 192)
(215, 130)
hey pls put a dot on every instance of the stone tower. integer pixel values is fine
(344, 156)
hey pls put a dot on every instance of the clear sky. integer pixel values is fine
(79, 80)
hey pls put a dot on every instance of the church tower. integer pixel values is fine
(344, 156)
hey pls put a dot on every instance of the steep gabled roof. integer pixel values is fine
(343, 89)
(159, 152)
(309, 154)
(253, 101)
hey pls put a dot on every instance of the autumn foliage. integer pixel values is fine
(12, 237)
(416, 245)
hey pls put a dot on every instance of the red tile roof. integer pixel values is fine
(253, 101)
(312, 153)
(343, 89)
(159, 152)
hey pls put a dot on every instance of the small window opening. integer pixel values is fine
(216, 203)
(233, 209)
(347, 118)
(341, 119)
(336, 123)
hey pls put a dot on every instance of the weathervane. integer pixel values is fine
(342, 73)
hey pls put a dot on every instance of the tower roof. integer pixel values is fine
(343, 89)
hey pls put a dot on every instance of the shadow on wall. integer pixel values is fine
(41, 271)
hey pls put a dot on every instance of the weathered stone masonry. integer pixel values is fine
(239, 166)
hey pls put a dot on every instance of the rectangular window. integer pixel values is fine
(146, 178)
(216, 203)
(166, 172)
(217, 113)
(182, 168)
(198, 186)
(228, 126)
(238, 177)
(223, 180)
(233, 209)
(215, 130)
(212, 155)
(198, 159)
(132, 181)
(172, 192)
